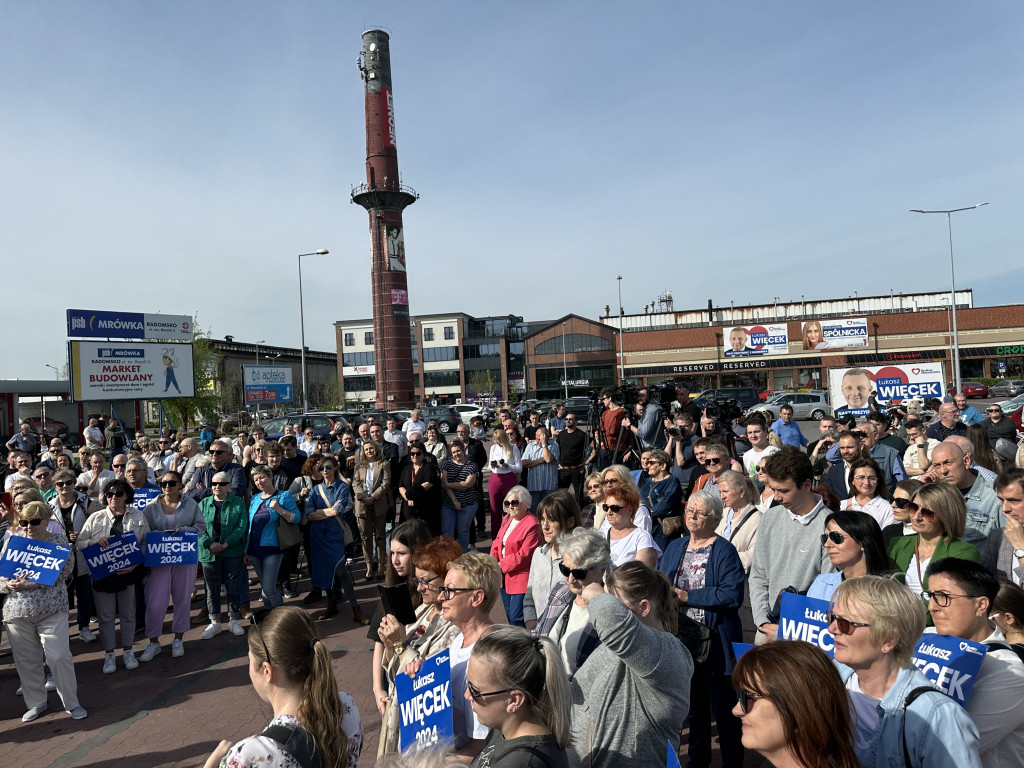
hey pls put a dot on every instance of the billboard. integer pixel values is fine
(850, 388)
(267, 384)
(840, 333)
(88, 323)
(755, 340)
(130, 370)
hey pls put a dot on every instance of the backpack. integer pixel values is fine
(296, 742)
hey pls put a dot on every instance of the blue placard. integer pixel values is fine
(738, 649)
(671, 759)
(166, 548)
(803, 618)
(38, 561)
(952, 663)
(122, 552)
(425, 703)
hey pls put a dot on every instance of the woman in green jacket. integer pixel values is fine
(938, 514)
(221, 549)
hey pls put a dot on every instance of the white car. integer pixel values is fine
(468, 410)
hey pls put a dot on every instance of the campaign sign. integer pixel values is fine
(166, 548)
(803, 618)
(38, 561)
(836, 333)
(738, 649)
(755, 340)
(122, 552)
(952, 663)
(671, 759)
(850, 388)
(425, 703)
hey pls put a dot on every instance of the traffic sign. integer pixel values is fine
(267, 384)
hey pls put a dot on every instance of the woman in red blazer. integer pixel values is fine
(513, 549)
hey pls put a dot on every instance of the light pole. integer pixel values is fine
(565, 369)
(56, 373)
(302, 327)
(622, 314)
(952, 280)
(261, 341)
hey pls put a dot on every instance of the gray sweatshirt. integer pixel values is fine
(788, 554)
(544, 577)
(631, 696)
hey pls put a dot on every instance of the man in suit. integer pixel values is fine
(1003, 553)
(838, 476)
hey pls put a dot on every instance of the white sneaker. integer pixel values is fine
(18, 692)
(212, 631)
(235, 628)
(87, 635)
(177, 648)
(50, 685)
(130, 662)
(150, 651)
(109, 663)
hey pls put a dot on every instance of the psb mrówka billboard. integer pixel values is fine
(850, 388)
(112, 370)
(755, 340)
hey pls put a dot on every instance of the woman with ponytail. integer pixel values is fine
(314, 724)
(519, 689)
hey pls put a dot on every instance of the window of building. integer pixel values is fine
(350, 339)
(476, 351)
(440, 354)
(368, 338)
(449, 333)
(574, 342)
(428, 334)
(441, 379)
(349, 359)
(360, 384)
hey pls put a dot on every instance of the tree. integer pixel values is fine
(481, 384)
(183, 410)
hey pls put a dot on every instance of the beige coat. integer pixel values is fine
(379, 492)
(746, 537)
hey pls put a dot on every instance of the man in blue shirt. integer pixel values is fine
(968, 414)
(541, 458)
(787, 430)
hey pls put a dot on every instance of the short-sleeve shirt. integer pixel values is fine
(624, 550)
(466, 726)
(457, 473)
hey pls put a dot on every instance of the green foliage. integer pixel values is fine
(481, 383)
(206, 403)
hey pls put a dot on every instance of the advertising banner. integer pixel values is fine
(755, 340)
(835, 333)
(88, 323)
(130, 371)
(952, 663)
(803, 618)
(122, 552)
(267, 384)
(425, 703)
(400, 304)
(850, 388)
(38, 561)
(387, 107)
(167, 548)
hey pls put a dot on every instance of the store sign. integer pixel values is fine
(267, 384)
(576, 382)
(742, 365)
(1013, 349)
(130, 371)
(358, 370)
(695, 368)
(87, 323)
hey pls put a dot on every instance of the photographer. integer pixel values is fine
(647, 424)
(681, 438)
(821, 446)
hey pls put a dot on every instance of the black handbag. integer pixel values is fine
(696, 637)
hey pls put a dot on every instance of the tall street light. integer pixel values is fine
(261, 341)
(565, 369)
(952, 277)
(302, 326)
(622, 366)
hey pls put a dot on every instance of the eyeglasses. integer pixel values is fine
(845, 626)
(167, 483)
(257, 616)
(163, 442)
(612, 508)
(577, 573)
(709, 462)
(447, 593)
(425, 583)
(760, 470)
(900, 503)
(993, 410)
(216, 483)
(700, 515)
(415, 453)
(914, 508)
(42, 476)
(747, 698)
(511, 503)
(114, 494)
(35, 521)
(118, 466)
(866, 479)
(477, 694)
(610, 481)
(64, 483)
(834, 536)
(943, 599)
(326, 467)
(213, 452)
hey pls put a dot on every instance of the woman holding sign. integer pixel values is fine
(174, 513)
(37, 620)
(115, 592)
(876, 624)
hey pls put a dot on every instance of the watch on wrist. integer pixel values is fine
(398, 648)
(1018, 553)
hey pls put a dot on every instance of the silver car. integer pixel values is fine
(1010, 388)
(806, 405)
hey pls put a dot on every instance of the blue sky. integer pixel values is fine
(176, 157)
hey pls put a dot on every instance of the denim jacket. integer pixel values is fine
(939, 732)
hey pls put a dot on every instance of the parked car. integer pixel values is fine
(971, 389)
(468, 410)
(54, 428)
(1008, 388)
(446, 416)
(578, 406)
(806, 405)
(381, 417)
(1014, 411)
(322, 424)
(746, 397)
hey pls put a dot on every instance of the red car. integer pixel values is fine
(973, 389)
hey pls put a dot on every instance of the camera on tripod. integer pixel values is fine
(724, 409)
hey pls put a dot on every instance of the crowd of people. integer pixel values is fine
(599, 626)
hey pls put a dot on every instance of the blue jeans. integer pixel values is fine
(538, 495)
(456, 523)
(227, 571)
(266, 569)
(513, 608)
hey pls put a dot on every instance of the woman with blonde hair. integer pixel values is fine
(371, 486)
(506, 463)
(814, 335)
(591, 515)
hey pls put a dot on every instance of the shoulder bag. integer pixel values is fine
(288, 534)
(349, 538)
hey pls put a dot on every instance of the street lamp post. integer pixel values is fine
(565, 369)
(261, 341)
(952, 279)
(622, 317)
(302, 327)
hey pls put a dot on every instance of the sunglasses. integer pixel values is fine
(993, 410)
(34, 522)
(511, 503)
(216, 453)
(834, 536)
(257, 616)
(900, 503)
(477, 694)
(415, 453)
(577, 573)
(43, 476)
(167, 483)
(845, 626)
(326, 467)
(221, 483)
(114, 494)
(747, 698)
(64, 483)
(709, 462)
(914, 508)
(118, 466)
(612, 507)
